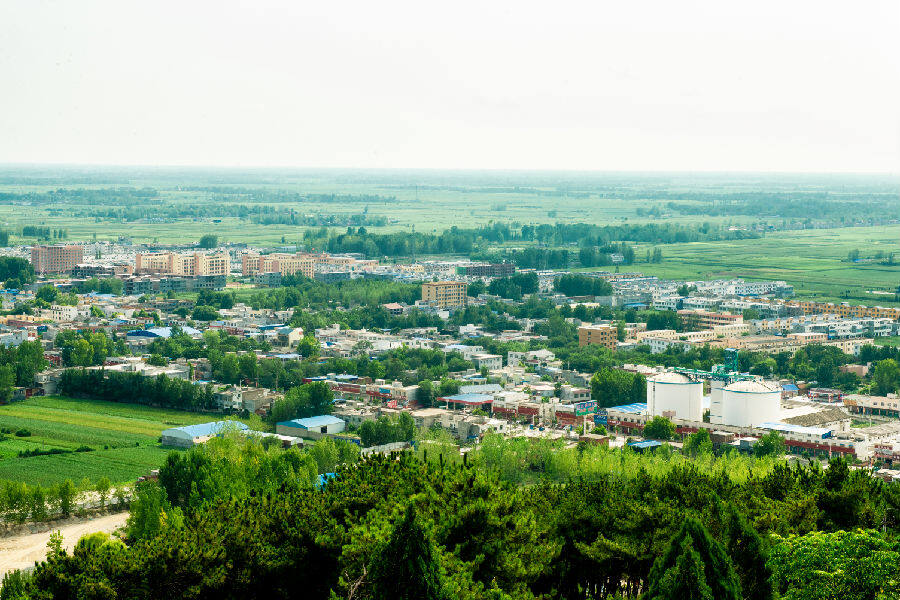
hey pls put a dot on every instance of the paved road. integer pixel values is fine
(24, 550)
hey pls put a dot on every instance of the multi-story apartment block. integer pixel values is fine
(170, 263)
(445, 294)
(602, 335)
(285, 264)
(56, 259)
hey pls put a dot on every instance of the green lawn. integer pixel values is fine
(124, 438)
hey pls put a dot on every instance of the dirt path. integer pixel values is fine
(22, 551)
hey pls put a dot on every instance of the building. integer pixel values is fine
(489, 270)
(312, 428)
(445, 294)
(56, 259)
(701, 319)
(170, 263)
(282, 263)
(190, 435)
(601, 335)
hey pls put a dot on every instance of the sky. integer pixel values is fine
(796, 85)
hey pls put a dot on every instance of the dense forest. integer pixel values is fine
(237, 520)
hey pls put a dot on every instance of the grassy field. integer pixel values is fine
(124, 438)
(813, 260)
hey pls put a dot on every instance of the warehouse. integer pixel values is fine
(189, 435)
(311, 428)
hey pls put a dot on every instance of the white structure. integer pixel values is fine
(746, 403)
(675, 396)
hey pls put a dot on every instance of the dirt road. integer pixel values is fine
(22, 551)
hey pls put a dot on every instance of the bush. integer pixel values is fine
(23, 433)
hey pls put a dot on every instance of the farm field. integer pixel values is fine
(812, 260)
(124, 439)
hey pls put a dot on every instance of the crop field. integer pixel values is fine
(813, 260)
(123, 438)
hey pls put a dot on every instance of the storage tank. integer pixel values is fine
(716, 411)
(675, 396)
(747, 403)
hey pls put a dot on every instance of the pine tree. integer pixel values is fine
(406, 567)
(748, 553)
(686, 579)
(673, 570)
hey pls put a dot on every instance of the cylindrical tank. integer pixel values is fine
(747, 403)
(675, 396)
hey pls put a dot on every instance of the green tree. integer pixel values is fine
(47, 293)
(698, 443)
(771, 444)
(406, 567)
(690, 551)
(659, 428)
(886, 376)
(7, 382)
(209, 241)
(65, 495)
(749, 554)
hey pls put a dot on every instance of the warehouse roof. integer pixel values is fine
(791, 428)
(820, 417)
(469, 398)
(204, 429)
(637, 408)
(310, 422)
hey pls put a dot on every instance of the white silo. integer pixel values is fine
(747, 403)
(716, 410)
(675, 396)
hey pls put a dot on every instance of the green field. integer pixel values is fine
(124, 438)
(813, 260)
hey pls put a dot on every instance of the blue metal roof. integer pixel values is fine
(822, 432)
(790, 387)
(645, 444)
(213, 428)
(636, 408)
(469, 398)
(163, 332)
(311, 422)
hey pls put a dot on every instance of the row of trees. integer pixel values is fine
(116, 386)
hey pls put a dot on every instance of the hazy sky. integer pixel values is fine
(786, 85)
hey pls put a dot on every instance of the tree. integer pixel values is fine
(406, 567)
(7, 382)
(751, 314)
(698, 443)
(47, 293)
(209, 241)
(771, 444)
(65, 494)
(659, 428)
(102, 488)
(693, 558)
(82, 353)
(886, 376)
(614, 387)
(749, 555)
(205, 313)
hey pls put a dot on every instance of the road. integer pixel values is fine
(22, 551)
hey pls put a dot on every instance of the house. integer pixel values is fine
(190, 435)
(311, 428)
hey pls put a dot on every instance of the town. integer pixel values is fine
(515, 378)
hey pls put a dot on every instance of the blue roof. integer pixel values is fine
(325, 478)
(310, 422)
(471, 398)
(163, 332)
(213, 428)
(645, 444)
(790, 387)
(635, 408)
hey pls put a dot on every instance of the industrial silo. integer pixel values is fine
(716, 410)
(747, 403)
(675, 396)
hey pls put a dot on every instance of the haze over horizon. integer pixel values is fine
(800, 87)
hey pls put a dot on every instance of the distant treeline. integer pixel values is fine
(807, 206)
(136, 388)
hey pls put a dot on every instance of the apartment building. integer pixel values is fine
(601, 335)
(445, 294)
(701, 319)
(56, 259)
(170, 263)
(253, 264)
